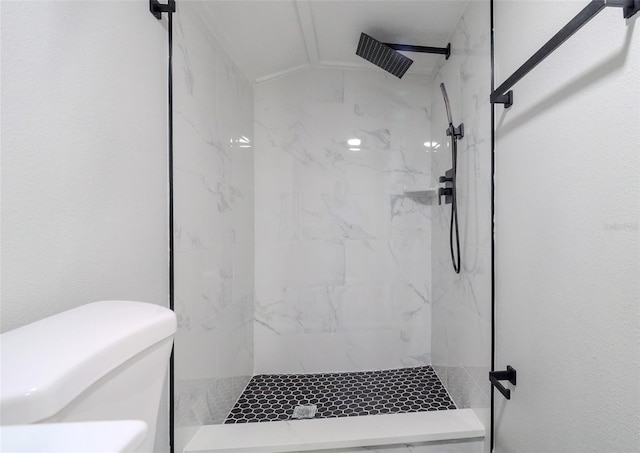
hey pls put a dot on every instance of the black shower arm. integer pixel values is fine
(422, 49)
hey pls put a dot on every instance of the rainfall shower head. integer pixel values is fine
(446, 102)
(383, 56)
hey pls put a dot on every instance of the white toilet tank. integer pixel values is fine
(105, 360)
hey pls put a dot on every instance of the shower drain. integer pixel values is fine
(305, 411)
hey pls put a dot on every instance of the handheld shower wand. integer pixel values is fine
(449, 180)
(451, 130)
(446, 103)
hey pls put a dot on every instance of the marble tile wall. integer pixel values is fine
(343, 259)
(461, 341)
(214, 250)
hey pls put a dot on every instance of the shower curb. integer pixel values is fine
(333, 433)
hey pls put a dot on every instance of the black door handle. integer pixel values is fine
(496, 376)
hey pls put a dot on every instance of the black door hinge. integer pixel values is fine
(158, 8)
(496, 376)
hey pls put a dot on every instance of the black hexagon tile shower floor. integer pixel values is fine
(275, 396)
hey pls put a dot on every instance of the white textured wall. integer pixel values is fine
(567, 233)
(214, 232)
(461, 339)
(342, 256)
(84, 161)
(84, 158)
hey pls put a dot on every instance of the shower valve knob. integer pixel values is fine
(444, 191)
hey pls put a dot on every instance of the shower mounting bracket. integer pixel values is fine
(158, 8)
(509, 375)
(457, 132)
(505, 99)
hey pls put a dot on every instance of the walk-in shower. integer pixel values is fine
(274, 397)
(322, 296)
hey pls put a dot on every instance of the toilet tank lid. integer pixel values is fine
(46, 364)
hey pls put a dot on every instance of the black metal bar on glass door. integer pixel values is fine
(157, 9)
(502, 95)
(493, 225)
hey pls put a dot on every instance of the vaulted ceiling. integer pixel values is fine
(268, 38)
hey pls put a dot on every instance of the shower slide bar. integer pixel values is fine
(503, 94)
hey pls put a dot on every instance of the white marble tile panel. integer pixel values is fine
(274, 353)
(189, 364)
(213, 190)
(464, 390)
(273, 309)
(366, 308)
(465, 335)
(274, 170)
(316, 263)
(289, 310)
(337, 123)
(201, 279)
(327, 86)
(234, 356)
(271, 265)
(370, 263)
(325, 309)
(410, 129)
(409, 239)
(323, 210)
(474, 171)
(312, 175)
(194, 227)
(320, 309)
(243, 214)
(194, 152)
(243, 273)
(242, 161)
(191, 406)
(336, 217)
(378, 87)
(302, 263)
(366, 171)
(478, 288)
(324, 352)
(411, 309)
(276, 123)
(277, 216)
